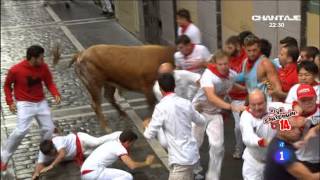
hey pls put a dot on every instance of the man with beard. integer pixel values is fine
(257, 70)
(237, 56)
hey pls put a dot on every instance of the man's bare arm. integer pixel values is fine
(39, 167)
(299, 171)
(273, 78)
(216, 100)
(220, 103)
(134, 164)
(57, 160)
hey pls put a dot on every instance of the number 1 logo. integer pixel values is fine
(281, 156)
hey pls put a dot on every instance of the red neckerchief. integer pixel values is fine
(315, 83)
(236, 62)
(311, 113)
(167, 93)
(250, 63)
(192, 48)
(184, 28)
(79, 154)
(215, 71)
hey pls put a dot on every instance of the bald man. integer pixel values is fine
(255, 134)
(186, 82)
(186, 87)
(282, 162)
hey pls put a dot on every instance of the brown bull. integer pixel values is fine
(130, 67)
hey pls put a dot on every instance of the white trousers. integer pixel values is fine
(181, 172)
(26, 111)
(214, 130)
(89, 143)
(107, 174)
(237, 131)
(252, 169)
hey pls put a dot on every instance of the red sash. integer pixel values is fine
(79, 154)
(86, 172)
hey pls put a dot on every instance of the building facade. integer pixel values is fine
(153, 21)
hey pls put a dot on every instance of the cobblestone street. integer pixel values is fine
(24, 23)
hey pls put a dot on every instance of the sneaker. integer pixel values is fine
(108, 14)
(237, 154)
(3, 166)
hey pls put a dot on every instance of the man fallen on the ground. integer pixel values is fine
(96, 166)
(71, 147)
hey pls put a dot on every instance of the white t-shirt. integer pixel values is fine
(310, 151)
(104, 156)
(186, 84)
(68, 142)
(221, 86)
(192, 32)
(292, 94)
(253, 129)
(199, 52)
(175, 115)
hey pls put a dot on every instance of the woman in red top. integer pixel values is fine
(25, 81)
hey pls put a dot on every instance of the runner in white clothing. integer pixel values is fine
(191, 57)
(307, 101)
(187, 27)
(174, 115)
(70, 147)
(186, 87)
(215, 83)
(187, 83)
(256, 135)
(96, 166)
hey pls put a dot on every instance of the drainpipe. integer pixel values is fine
(219, 25)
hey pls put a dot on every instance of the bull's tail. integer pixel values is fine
(56, 54)
(74, 58)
